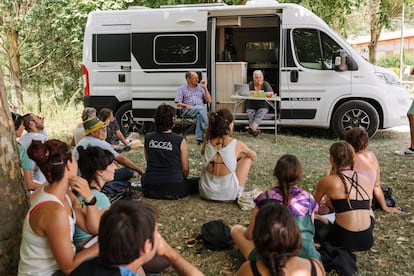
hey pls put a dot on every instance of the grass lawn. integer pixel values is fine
(392, 252)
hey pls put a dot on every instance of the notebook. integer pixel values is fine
(241, 89)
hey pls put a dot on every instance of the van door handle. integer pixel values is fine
(294, 76)
(126, 67)
(185, 21)
(121, 77)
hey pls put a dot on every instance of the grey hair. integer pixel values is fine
(256, 72)
(88, 112)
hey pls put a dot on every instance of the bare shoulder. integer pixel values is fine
(297, 266)
(327, 180)
(245, 269)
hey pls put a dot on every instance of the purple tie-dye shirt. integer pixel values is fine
(301, 202)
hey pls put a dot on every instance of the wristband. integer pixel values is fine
(91, 201)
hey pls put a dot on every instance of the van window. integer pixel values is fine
(111, 47)
(175, 49)
(314, 49)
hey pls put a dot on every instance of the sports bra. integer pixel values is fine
(344, 204)
(256, 272)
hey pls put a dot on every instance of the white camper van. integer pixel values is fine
(134, 60)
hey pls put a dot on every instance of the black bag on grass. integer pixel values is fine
(117, 190)
(389, 199)
(216, 235)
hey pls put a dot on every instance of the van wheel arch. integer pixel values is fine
(355, 113)
(125, 119)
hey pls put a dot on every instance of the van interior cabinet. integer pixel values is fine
(227, 74)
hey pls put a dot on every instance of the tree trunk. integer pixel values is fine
(13, 198)
(16, 81)
(39, 98)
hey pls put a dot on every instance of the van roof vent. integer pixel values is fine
(193, 5)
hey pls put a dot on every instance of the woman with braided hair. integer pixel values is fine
(302, 205)
(350, 195)
(226, 161)
(278, 240)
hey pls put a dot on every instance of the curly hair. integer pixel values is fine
(276, 236)
(357, 137)
(288, 172)
(51, 157)
(93, 159)
(164, 117)
(219, 123)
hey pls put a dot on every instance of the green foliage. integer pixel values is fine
(390, 61)
(393, 62)
(334, 13)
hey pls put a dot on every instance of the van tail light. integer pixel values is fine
(85, 75)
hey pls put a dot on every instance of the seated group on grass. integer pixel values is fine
(70, 209)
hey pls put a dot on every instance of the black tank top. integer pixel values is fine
(164, 157)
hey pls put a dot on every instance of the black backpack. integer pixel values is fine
(389, 199)
(216, 235)
(117, 190)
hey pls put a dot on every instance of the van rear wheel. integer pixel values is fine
(126, 121)
(355, 114)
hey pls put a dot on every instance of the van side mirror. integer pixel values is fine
(343, 62)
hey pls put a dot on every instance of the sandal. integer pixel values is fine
(191, 242)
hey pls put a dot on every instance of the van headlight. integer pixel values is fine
(388, 78)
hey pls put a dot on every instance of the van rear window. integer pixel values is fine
(175, 49)
(111, 47)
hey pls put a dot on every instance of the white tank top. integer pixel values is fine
(36, 257)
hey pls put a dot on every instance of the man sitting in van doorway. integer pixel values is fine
(192, 97)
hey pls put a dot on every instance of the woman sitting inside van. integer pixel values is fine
(226, 161)
(257, 110)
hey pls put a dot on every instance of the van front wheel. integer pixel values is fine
(355, 114)
(126, 121)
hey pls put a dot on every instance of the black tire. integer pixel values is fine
(355, 113)
(126, 121)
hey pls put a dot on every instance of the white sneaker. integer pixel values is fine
(407, 151)
(136, 184)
